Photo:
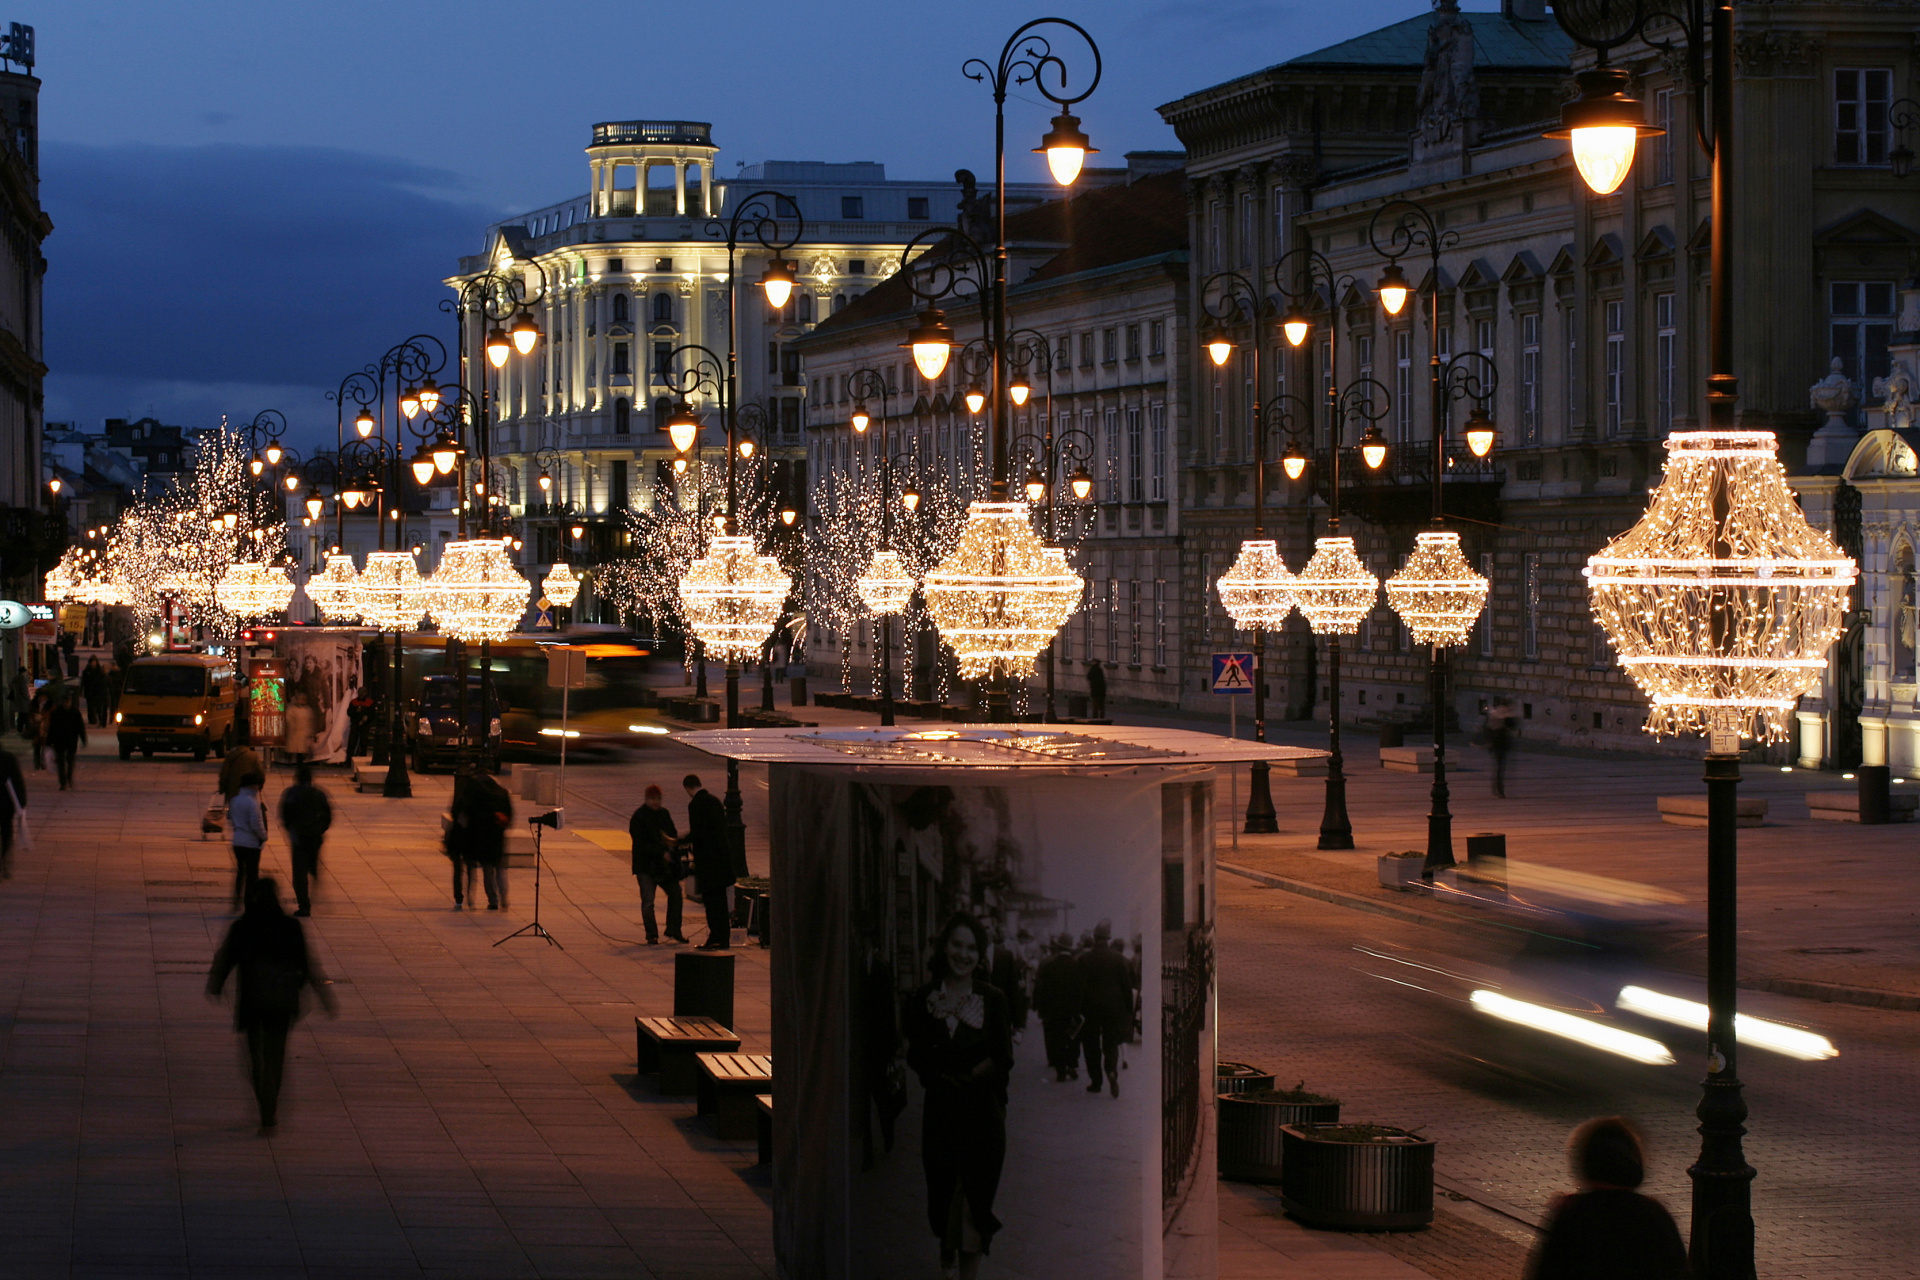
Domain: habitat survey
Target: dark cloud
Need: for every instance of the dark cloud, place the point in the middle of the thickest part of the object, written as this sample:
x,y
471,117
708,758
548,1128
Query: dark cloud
x,y
242,265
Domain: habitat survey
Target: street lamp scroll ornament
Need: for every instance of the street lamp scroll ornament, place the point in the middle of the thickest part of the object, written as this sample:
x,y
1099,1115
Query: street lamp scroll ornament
x,y
476,593
886,586
1000,596
1722,602
1437,593
1258,590
562,585
1334,591
732,596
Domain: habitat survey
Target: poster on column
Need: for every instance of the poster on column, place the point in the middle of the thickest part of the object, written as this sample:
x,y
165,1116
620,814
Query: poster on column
x,y
992,1019
323,675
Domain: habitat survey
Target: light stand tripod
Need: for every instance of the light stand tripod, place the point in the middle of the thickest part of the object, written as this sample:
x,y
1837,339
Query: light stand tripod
x,y
536,929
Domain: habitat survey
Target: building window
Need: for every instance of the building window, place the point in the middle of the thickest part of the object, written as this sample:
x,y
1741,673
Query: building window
x,y
1214,253
917,209
1903,617
1136,463
662,307
1157,449
1485,625
805,308
622,362
1113,620
1660,153
663,361
1326,389
1109,346
1245,237
1133,342
1860,325
1159,622
1219,419
1063,352
1110,450
1530,378
1086,351
620,312
1403,384
1530,605
1483,334
622,416
853,208
1860,115
1664,337
1616,364
1133,624
856,266
1206,599
616,266
1157,338
663,265
1249,411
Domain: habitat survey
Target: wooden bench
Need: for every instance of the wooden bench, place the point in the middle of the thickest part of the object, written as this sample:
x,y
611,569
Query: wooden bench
x,y
668,1046
1691,810
729,1082
763,1103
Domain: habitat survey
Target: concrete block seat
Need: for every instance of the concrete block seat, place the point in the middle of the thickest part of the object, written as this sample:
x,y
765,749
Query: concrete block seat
x,y
366,778
1844,806
1304,767
668,1046
729,1083
1407,759
1691,810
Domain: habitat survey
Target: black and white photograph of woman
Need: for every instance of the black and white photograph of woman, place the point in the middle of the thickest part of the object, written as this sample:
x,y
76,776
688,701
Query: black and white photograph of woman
x,y
960,1045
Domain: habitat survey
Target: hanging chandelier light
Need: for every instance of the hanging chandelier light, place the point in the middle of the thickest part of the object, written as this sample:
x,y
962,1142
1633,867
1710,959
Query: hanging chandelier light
x,y
332,589
732,596
390,593
1258,590
1722,602
1334,591
886,586
562,585
1000,596
250,589
476,593
1437,593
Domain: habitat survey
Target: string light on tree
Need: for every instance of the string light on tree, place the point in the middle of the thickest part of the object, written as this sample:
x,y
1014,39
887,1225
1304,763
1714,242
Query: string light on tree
x,y
1437,593
1722,602
1334,592
1258,589
1000,596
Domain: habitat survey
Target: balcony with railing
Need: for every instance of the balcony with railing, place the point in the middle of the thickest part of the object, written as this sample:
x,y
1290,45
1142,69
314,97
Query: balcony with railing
x,y
689,133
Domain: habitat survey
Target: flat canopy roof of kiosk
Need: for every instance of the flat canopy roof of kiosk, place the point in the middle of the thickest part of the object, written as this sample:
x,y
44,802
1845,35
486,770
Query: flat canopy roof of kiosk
x,y
987,746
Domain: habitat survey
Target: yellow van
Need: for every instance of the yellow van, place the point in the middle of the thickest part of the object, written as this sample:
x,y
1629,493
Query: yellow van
x,y
177,702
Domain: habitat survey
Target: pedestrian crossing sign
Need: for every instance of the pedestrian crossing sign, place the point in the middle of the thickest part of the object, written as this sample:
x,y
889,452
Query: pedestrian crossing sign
x,y
1233,673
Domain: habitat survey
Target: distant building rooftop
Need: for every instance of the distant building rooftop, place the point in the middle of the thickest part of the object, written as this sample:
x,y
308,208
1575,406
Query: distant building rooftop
x,y
1499,42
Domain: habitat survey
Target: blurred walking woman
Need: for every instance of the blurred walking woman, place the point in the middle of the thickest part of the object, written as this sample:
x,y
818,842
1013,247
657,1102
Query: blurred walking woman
x,y
960,1044
269,949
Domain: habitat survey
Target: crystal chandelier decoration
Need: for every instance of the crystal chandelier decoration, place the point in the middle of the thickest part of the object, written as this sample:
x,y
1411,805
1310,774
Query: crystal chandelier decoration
x,y
390,593
1334,591
332,589
250,589
1000,596
562,585
886,586
732,597
1437,593
476,593
1722,602
1258,590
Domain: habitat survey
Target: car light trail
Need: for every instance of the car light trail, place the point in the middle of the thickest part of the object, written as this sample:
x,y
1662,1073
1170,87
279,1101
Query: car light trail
x,y
1807,1046
559,733
1596,1035
646,728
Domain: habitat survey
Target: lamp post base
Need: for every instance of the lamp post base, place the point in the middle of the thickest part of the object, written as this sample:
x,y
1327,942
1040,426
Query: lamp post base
x,y
1261,819
398,785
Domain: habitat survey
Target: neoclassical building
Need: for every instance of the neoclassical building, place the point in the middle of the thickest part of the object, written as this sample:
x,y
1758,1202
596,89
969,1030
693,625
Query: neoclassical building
x,y
1591,309
622,276
28,542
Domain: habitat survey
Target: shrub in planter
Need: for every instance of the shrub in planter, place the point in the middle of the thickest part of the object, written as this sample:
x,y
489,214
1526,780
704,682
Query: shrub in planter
x,y
1357,1177
1251,1124
1238,1077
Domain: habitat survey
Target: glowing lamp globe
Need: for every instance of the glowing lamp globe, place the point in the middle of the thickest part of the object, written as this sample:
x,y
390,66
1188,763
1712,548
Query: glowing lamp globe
x,y
1393,288
861,419
1603,124
250,589
562,585
332,589
1257,591
389,593
526,333
931,342
1722,602
476,593
1437,593
1334,592
778,282
732,597
1000,596
886,586
1066,147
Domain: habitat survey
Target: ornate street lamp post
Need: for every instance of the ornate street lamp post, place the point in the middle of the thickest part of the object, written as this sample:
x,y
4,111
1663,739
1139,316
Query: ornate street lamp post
x,y
885,586
1046,455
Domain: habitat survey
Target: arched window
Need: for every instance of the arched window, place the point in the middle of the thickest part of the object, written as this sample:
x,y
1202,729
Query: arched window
x,y
662,410
1903,617
663,307
806,308
839,302
622,416
620,308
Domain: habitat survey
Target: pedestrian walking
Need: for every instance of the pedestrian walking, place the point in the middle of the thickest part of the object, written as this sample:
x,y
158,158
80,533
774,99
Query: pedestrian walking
x,y
269,949
712,863
116,681
1056,999
359,718
67,647
93,687
38,712
303,723
1498,730
20,696
306,813
1106,1003
1607,1230
656,863
1096,691
482,811
13,803
238,764
66,732
247,830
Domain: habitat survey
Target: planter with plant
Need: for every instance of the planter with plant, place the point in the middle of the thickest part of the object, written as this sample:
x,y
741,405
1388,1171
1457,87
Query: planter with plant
x,y
1251,1124
1238,1077
1357,1177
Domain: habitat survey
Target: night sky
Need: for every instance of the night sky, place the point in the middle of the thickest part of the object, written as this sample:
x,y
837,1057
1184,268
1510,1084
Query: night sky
x,y
249,200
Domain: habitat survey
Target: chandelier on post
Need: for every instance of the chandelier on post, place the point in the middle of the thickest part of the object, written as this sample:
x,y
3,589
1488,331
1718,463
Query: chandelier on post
x,y
476,593
1258,590
390,593
1722,602
1334,591
1437,593
332,589
250,589
1000,595
732,597
561,585
886,586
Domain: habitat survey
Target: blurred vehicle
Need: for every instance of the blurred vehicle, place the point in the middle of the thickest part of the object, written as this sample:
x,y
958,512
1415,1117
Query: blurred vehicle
x,y
433,724
177,702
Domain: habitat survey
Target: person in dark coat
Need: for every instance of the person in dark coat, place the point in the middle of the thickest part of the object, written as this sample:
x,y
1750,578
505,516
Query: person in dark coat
x,y
1009,973
269,949
960,1045
13,798
1056,999
482,811
306,813
1096,691
20,693
1607,1230
1106,1007
93,686
712,863
655,863
116,681
66,733
1499,731
359,721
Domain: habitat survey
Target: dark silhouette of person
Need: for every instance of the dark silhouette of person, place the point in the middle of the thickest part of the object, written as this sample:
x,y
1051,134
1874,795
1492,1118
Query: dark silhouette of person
x,y
1009,973
246,835
712,862
1106,1004
481,813
359,722
654,863
13,799
269,949
960,1045
306,813
66,731
93,686
1096,691
1499,731
1056,999
1607,1230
